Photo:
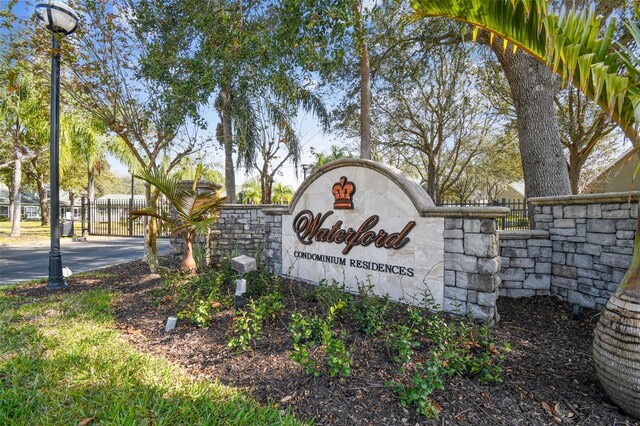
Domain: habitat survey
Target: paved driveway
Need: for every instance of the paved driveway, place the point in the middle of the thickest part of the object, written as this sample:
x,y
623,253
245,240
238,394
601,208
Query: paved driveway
x,y
24,263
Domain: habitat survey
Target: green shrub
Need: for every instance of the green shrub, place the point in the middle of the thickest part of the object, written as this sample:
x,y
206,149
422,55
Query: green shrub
x,y
196,297
456,348
370,310
248,323
311,334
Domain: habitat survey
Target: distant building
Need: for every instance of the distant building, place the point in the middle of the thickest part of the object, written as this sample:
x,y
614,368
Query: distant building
x,y
30,205
618,177
513,191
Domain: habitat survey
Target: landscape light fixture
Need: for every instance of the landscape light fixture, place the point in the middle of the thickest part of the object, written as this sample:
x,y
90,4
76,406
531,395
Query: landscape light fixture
x,y
61,20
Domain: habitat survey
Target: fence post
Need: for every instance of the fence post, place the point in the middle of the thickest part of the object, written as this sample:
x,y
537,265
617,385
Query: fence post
x,y
89,217
82,216
504,218
130,221
109,216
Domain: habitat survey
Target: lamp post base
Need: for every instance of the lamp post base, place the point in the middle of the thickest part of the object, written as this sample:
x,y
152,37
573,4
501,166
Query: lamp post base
x,y
56,279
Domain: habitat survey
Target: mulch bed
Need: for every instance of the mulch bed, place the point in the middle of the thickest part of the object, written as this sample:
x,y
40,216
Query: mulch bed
x,y
549,377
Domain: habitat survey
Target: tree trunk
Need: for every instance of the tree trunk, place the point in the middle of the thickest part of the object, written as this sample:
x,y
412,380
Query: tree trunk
x,y
574,176
42,197
532,88
151,231
188,261
229,172
266,195
91,195
91,185
365,84
16,191
431,180
72,201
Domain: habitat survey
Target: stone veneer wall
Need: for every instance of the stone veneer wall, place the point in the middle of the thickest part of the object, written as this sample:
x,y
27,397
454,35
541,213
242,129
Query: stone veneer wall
x,y
525,263
590,238
471,261
471,265
245,229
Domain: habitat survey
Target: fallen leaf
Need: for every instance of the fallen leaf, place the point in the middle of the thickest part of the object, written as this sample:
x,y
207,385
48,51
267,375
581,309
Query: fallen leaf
x,y
286,399
436,406
86,421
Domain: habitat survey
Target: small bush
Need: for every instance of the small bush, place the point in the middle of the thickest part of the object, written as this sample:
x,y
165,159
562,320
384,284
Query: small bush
x,y
248,323
455,348
309,332
370,310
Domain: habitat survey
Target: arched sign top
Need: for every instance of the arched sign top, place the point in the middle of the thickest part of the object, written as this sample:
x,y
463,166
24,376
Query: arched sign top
x,y
413,191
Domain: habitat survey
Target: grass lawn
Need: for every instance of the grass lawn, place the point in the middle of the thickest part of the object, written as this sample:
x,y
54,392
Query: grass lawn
x,y
63,362
30,231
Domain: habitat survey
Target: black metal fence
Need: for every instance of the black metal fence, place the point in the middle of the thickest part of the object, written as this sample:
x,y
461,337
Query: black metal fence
x,y
111,217
516,219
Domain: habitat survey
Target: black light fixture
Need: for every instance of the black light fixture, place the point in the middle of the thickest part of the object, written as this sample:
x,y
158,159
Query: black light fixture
x,y
61,20
305,169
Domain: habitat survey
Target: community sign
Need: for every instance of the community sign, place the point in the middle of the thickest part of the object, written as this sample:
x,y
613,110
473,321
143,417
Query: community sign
x,y
359,223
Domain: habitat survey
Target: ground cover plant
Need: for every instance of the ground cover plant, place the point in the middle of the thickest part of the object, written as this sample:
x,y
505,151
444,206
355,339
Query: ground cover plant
x,y
63,362
394,372
426,348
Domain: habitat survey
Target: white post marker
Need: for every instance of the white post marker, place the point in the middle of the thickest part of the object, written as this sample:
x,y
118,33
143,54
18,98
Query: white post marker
x,y
171,323
242,264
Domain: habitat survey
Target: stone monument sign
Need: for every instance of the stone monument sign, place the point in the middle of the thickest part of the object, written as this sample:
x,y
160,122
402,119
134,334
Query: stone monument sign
x,y
359,223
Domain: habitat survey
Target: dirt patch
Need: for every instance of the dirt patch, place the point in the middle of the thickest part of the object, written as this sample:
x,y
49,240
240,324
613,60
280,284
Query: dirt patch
x,y
549,377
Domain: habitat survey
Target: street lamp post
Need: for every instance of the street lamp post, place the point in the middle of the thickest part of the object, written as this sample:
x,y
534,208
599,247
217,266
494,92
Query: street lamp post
x,y
305,169
61,20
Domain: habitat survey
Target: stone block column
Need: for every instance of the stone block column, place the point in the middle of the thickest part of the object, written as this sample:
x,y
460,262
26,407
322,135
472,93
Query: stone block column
x,y
471,265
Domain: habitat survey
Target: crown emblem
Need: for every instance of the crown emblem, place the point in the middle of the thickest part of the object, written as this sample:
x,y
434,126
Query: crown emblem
x,y
343,192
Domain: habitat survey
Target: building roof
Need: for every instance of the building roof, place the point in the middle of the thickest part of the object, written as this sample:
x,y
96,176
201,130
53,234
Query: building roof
x,y
27,198
518,187
615,169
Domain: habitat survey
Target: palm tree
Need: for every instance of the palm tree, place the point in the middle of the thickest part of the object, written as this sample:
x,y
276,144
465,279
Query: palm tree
x,y
282,194
336,153
83,139
195,213
251,192
570,44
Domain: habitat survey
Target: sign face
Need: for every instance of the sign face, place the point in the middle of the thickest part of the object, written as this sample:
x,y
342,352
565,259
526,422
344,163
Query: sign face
x,y
357,226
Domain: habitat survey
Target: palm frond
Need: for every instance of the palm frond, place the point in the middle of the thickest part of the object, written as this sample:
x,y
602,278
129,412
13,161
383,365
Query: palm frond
x,y
169,186
151,212
568,41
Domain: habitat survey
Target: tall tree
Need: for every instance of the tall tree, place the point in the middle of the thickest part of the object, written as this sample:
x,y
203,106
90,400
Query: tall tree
x,y
428,112
84,145
23,121
278,138
251,192
335,153
499,165
571,44
282,194
236,49
584,127
150,114
532,87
